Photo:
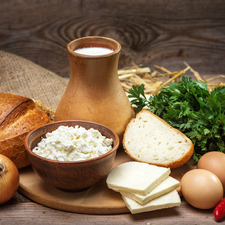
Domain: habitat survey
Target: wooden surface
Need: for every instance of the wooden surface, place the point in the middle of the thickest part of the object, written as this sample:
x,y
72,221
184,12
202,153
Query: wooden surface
x,y
21,210
161,32
29,213
98,199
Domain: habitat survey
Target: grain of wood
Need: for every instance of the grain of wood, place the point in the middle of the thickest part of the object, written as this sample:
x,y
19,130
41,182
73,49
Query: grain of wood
x,y
32,213
150,32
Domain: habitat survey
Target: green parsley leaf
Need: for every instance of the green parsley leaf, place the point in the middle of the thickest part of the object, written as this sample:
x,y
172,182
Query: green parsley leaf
x,y
189,107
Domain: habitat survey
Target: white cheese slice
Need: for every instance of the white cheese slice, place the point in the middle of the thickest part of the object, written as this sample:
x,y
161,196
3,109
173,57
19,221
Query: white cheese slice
x,y
136,177
168,200
164,187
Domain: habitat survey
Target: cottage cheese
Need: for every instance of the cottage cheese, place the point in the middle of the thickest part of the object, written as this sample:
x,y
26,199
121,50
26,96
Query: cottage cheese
x,y
73,144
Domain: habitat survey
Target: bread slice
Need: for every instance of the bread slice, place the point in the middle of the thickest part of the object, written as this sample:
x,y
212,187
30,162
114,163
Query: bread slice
x,y
150,139
166,186
168,200
136,177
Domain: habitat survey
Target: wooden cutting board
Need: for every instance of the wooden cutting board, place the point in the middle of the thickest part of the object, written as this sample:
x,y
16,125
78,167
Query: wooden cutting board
x,y
98,199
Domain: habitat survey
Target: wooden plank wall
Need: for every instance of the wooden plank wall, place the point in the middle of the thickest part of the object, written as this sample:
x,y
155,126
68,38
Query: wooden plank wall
x,y
161,32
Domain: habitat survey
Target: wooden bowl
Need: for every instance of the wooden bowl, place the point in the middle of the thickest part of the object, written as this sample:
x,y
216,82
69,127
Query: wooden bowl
x,y
71,175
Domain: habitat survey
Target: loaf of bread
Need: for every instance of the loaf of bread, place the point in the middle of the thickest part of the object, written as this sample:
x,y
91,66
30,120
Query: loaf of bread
x,y
18,116
150,139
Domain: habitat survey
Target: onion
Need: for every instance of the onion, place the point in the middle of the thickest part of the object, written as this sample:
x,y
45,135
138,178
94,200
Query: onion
x,y
9,179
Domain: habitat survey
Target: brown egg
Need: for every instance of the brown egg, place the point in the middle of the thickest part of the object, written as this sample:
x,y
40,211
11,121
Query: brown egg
x,y
201,188
215,163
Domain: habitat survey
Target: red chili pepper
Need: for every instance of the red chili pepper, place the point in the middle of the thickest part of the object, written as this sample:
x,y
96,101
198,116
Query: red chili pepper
x,y
219,211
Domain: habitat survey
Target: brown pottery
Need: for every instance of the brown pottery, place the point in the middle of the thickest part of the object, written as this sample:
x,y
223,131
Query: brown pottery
x,y
74,175
94,92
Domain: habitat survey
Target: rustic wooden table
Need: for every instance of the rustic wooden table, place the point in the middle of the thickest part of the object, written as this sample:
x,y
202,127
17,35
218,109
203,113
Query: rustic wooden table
x,y
161,32
20,210
157,32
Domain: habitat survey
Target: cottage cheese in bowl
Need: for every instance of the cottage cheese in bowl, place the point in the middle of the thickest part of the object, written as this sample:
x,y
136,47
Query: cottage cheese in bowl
x,y
73,144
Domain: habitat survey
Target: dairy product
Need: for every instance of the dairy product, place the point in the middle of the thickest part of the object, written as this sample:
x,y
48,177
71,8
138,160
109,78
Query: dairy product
x,y
169,184
136,177
94,51
73,144
168,200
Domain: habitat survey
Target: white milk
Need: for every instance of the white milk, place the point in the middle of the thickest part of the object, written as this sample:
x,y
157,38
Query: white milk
x,y
94,51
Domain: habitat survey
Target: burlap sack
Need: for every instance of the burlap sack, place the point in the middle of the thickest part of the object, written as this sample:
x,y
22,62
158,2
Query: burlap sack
x,y
23,77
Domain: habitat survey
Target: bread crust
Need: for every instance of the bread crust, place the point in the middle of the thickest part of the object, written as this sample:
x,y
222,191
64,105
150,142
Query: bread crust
x,y
174,164
8,102
18,116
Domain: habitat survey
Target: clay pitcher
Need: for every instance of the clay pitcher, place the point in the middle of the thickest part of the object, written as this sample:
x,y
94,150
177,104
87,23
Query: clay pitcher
x,y
94,92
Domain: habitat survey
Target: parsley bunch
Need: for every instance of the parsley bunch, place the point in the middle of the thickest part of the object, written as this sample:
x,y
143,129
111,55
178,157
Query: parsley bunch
x,y
189,107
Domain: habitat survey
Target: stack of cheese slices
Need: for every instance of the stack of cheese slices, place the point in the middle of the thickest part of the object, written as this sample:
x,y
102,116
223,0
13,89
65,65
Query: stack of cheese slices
x,y
144,187
156,147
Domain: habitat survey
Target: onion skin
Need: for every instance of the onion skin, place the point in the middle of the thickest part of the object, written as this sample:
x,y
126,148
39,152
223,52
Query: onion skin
x,y
9,179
